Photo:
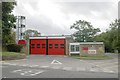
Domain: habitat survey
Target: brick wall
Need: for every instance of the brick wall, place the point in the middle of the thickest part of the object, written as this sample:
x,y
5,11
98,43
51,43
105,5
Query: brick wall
x,y
92,49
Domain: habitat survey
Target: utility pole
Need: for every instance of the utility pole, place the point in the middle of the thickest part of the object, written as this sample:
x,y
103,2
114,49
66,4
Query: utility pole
x,y
20,24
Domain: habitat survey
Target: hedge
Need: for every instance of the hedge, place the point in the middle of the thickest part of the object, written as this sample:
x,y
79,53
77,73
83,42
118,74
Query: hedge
x,y
14,47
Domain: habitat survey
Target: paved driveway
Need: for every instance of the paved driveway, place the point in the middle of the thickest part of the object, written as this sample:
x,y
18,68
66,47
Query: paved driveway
x,y
66,63
42,66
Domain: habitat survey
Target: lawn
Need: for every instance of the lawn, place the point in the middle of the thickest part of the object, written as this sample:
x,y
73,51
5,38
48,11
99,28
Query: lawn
x,y
91,57
12,55
9,53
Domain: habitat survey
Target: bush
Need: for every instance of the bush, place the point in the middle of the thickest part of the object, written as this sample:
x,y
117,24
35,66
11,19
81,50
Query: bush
x,y
14,47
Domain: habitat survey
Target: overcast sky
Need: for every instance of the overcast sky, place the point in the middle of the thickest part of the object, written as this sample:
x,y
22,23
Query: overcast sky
x,y
56,16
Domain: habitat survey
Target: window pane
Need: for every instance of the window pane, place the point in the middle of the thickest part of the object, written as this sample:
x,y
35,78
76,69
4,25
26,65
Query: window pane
x,y
50,45
32,45
38,45
56,45
43,45
62,45
77,47
72,48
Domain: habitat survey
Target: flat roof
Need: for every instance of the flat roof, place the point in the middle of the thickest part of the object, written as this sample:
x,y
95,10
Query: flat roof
x,y
78,43
48,37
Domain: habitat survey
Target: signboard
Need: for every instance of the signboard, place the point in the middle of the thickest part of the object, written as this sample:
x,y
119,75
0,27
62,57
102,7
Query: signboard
x,y
91,51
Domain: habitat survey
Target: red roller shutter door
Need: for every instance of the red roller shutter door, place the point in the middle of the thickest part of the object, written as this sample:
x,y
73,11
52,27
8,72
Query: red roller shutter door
x,y
38,46
56,46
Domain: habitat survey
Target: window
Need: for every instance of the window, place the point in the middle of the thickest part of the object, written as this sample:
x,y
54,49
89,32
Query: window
x,y
56,45
62,45
50,45
32,45
74,48
43,45
38,45
77,48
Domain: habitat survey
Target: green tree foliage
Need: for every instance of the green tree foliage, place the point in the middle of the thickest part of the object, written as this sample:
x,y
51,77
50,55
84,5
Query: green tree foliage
x,y
111,37
8,20
85,31
0,23
29,33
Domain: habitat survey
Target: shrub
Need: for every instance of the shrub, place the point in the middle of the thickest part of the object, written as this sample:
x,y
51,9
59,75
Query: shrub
x,y
14,47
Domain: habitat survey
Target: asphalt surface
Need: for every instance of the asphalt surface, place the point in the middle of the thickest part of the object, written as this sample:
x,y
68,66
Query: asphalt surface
x,y
42,66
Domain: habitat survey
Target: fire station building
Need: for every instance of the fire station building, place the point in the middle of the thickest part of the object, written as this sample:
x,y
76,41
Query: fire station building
x,y
63,45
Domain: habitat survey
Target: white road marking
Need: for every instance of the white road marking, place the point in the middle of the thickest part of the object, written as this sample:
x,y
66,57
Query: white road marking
x,y
44,66
23,65
56,62
17,70
94,70
12,64
108,71
34,66
36,73
4,77
6,63
105,64
28,72
55,67
67,68
114,66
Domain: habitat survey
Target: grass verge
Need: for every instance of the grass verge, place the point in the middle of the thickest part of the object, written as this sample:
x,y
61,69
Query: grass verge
x,y
12,55
91,57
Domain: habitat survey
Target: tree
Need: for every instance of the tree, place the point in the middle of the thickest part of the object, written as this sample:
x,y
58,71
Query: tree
x,y
111,37
8,20
29,33
85,31
115,29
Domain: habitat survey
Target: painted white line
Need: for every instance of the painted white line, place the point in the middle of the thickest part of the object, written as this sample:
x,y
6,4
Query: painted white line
x,y
36,73
34,66
44,66
107,64
17,70
24,65
67,68
12,64
94,70
109,71
4,77
55,67
114,66
56,62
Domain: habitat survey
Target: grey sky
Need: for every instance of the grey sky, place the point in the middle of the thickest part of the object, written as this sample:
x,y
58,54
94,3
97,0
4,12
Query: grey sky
x,y
53,17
